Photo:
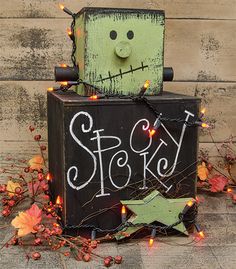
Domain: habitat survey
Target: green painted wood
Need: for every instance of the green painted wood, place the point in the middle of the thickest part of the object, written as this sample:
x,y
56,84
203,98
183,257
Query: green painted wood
x,y
119,49
154,207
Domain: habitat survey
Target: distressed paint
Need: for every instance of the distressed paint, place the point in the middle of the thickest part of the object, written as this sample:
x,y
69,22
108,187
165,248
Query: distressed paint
x,y
122,49
154,207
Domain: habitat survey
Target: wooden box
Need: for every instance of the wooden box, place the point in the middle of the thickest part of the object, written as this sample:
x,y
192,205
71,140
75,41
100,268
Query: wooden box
x,y
100,152
110,46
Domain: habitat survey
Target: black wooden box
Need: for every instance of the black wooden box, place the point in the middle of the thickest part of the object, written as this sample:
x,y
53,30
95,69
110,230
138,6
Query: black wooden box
x,y
100,152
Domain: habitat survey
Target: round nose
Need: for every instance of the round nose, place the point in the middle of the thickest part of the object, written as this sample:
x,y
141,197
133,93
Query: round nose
x,y
123,49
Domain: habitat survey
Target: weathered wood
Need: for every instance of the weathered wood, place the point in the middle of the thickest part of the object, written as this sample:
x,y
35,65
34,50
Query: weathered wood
x,y
201,50
219,100
29,49
211,9
197,50
23,103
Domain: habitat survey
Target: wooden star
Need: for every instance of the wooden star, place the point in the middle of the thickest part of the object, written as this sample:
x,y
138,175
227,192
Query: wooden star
x,y
154,207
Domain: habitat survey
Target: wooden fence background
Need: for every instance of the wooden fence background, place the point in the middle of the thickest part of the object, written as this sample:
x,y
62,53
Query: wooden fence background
x,y
200,44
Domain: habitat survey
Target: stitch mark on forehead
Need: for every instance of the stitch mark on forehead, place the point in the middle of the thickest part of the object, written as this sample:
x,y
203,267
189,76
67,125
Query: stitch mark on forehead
x,y
120,74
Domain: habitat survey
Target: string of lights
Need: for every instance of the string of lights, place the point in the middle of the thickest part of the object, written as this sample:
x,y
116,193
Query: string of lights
x,y
140,97
100,94
157,228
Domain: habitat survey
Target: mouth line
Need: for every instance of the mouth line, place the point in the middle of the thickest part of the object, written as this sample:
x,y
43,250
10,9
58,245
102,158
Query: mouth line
x,y
120,74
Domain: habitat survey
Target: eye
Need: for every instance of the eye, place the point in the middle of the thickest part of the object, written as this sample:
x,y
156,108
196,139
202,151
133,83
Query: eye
x,y
130,34
113,35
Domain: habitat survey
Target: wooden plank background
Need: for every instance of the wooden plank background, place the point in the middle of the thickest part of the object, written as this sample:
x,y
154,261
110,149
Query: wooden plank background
x,y
200,45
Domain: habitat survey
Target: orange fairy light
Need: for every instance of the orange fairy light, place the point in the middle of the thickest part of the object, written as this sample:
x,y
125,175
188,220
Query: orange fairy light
x,y
151,132
205,125
146,84
61,6
201,234
59,200
123,214
190,203
123,210
203,110
64,83
69,32
151,241
93,97
63,65
49,176
229,190
50,89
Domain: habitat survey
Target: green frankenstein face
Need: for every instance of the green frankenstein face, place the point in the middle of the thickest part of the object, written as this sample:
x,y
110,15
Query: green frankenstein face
x,y
119,49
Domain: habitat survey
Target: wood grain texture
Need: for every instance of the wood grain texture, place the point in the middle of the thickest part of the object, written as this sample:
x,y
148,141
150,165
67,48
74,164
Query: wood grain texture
x,y
31,48
219,100
201,50
211,9
23,103
197,50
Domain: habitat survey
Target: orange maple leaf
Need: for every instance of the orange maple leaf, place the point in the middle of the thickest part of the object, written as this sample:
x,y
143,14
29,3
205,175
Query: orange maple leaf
x,y
202,171
11,187
27,220
36,163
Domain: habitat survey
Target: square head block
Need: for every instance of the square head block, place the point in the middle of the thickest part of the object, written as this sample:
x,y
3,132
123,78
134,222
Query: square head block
x,y
117,50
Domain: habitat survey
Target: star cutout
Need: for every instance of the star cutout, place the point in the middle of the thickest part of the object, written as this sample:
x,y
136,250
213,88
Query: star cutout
x,y
154,207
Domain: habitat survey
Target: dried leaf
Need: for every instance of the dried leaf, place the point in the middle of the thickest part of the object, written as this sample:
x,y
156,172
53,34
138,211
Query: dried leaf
x,y
202,171
11,187
36,163
218,182
35,188
26,221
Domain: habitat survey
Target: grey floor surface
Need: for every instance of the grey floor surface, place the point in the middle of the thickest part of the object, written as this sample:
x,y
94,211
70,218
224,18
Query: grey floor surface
x,y
217,216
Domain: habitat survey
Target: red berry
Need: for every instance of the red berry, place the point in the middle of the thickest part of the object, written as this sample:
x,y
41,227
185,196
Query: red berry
x,y
66,253
37,137
43,147
37,241
14,241
18,190
118,259
40,176
11,203
79,256
6,212
36,255
26,170
94,244
31,128
39,228
107,262
3,188
4,201
57,230
86,257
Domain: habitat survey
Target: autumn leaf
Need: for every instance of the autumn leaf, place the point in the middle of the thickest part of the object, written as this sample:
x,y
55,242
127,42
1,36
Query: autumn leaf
x,y
218,183
37,187
36,163
202,171
33,187
26,221
11,187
